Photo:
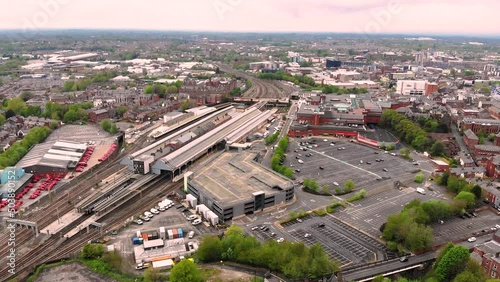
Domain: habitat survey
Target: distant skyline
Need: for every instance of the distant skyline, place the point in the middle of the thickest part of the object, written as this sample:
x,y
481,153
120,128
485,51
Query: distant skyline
x,y
451,17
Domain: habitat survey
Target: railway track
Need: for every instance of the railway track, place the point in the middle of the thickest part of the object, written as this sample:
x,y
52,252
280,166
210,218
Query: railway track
x,y
51,250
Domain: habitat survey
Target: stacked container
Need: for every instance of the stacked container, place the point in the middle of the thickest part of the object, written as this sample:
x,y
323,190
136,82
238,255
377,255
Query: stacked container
x,y
170,234
145,236
176,234
181,234
162,233
136,241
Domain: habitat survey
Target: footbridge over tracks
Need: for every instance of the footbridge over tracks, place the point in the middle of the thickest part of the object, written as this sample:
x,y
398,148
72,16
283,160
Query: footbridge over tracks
x,y
12,223
385,268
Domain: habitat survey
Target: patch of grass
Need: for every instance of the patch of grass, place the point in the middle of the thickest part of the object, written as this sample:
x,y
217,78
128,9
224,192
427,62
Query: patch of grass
x,y
101,267
320,212
34,276
209,273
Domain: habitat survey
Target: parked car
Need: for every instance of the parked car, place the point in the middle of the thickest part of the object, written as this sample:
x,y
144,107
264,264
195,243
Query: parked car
x,y
280,240
138,222
307,235
196,221
192,217
255,228
403,259
472,239
191,234
321,224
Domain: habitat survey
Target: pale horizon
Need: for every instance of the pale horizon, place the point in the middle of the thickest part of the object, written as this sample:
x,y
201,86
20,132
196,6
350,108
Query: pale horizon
x,y
423,17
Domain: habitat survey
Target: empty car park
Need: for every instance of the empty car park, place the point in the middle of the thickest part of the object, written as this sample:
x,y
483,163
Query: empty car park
x,y
340,241
348,160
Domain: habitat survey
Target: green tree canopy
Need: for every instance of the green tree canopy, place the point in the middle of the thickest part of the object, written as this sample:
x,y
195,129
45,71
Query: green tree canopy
x,y
451,263
185,271
468,197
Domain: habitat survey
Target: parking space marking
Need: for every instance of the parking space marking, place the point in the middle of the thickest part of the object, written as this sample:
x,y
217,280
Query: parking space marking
x,y
346,163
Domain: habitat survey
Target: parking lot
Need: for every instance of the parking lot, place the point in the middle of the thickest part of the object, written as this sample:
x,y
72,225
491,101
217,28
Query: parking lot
x,y
340,161
370,213
171,218
458,228
341,241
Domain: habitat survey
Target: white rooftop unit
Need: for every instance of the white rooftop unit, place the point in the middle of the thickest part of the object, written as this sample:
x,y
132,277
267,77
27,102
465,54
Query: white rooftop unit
x,y
203,210
151,244
167,263
191,200
162,233
175,242
212,217
63,144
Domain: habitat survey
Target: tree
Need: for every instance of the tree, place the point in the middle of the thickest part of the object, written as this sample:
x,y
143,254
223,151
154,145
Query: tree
x,y
437,148
349,185
26,95
419,178
121,110
477,191
2,119
210,249
91,251
152,275
106,125
405,152
16,105
185,271
452,263
113,259
468,197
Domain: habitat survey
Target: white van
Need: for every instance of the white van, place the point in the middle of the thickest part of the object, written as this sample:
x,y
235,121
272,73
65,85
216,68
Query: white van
x,y
421,191
335,183
300,161
191,234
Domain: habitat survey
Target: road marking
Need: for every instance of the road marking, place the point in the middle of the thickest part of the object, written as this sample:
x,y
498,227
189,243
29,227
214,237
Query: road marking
x,y
341,161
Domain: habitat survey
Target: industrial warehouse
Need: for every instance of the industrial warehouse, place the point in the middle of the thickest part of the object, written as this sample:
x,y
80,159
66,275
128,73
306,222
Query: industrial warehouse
x,y
55,157
233,184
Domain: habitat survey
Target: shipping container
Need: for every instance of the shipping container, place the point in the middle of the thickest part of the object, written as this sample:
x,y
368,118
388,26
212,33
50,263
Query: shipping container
x,y
176,235
162,233
145,237
181,234
170,234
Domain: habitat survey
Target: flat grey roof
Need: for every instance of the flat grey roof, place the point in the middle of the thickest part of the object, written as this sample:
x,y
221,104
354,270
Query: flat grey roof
x,y
181,156
234,176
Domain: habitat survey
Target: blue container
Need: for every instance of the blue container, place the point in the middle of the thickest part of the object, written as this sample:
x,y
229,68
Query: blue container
x,y
136,241
181,234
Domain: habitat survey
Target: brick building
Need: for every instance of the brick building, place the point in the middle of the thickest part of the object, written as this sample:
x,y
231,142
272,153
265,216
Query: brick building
x,y
470,138
493,167
98,115
488,125
468,172
488,256
202,91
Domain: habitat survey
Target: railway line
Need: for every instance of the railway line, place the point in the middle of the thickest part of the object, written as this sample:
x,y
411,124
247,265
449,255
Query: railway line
x,y
60,204
57,248
259,88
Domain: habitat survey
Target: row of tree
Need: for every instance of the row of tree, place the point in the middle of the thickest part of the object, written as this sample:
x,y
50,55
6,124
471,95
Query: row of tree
x,y
295,260
301,80
457,185
329,89
410,228
411,132
15,152
163,89
431,125
82,84
279,156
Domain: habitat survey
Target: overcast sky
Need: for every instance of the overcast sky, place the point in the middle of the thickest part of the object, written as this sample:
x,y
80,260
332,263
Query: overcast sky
x,y
361,16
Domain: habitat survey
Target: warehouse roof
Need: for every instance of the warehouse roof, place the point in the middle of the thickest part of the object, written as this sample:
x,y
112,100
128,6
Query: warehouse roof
x,y
60,154
235,176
